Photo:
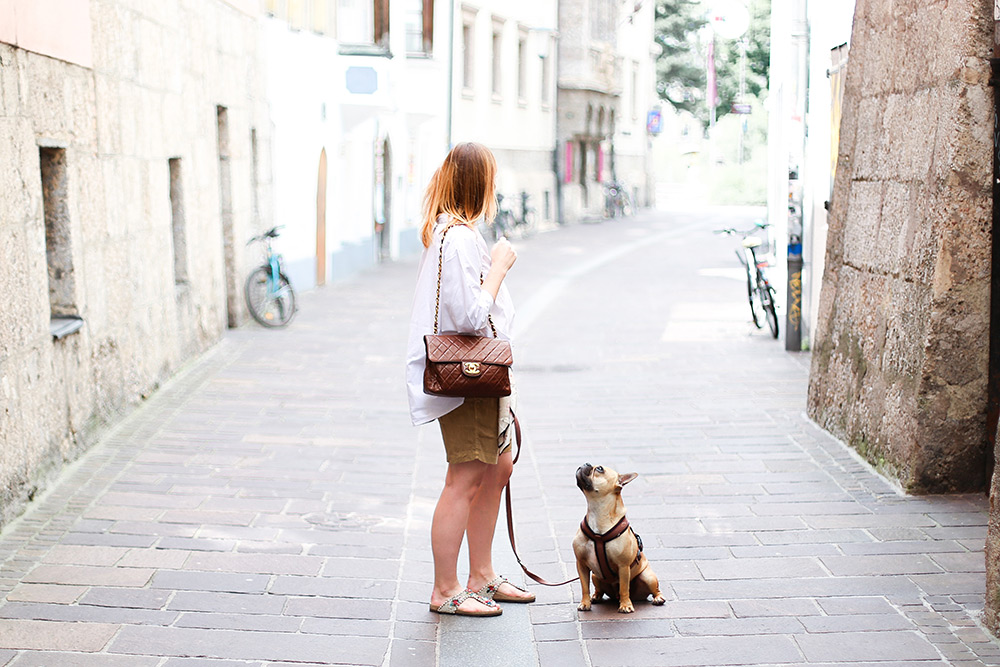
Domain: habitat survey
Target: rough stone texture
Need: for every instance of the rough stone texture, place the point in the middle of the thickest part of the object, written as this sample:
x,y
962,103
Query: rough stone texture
x,y
900,363
160,70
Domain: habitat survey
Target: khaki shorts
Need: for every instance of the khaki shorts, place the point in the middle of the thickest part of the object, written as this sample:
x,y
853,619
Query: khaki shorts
x,y
471,431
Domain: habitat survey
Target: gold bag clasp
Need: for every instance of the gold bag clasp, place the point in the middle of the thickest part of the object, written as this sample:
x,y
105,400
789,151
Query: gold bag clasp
x,y
471,368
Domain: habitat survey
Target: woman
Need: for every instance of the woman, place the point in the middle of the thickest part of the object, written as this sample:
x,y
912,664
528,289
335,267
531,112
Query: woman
x,y
476,431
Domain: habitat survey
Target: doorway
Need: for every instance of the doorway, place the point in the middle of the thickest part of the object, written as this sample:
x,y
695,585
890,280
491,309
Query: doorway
x,y
383,199
321,221
226,214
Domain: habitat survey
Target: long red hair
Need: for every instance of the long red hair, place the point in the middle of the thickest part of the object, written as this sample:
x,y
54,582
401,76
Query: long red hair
x,y
463,187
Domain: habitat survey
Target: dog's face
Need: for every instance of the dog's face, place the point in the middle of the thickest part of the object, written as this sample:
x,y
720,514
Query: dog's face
x,y
598,481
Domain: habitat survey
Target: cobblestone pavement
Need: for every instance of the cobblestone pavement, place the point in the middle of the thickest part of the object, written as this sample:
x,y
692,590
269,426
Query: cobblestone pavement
x,y
271,504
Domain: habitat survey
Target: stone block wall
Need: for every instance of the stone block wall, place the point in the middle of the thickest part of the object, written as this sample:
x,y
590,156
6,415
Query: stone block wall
x,y
899,366
159,72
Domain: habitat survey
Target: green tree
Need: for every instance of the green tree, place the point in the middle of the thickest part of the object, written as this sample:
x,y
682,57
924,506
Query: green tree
x,y
682,64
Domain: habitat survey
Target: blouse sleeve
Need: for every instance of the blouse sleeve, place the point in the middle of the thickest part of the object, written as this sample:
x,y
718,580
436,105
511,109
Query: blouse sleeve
x,y
462,295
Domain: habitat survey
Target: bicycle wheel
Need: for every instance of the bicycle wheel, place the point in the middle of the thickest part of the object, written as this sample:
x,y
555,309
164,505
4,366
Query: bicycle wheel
x,y
753,309
766,294
269,309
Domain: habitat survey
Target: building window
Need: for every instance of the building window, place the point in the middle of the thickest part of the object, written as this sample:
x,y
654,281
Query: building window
x,y
363,23
522,68
497,60
321,22
547,75
419,27
635,90
276,8
468,54
177,221
58,248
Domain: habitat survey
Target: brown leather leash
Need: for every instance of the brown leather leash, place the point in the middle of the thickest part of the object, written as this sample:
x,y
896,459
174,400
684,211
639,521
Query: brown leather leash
x,y
510,515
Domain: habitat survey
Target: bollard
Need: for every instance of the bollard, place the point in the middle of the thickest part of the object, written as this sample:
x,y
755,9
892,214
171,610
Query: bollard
x,y
793,317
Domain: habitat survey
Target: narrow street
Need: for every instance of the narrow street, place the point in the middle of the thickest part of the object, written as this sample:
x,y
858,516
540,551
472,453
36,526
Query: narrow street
x,y
271,504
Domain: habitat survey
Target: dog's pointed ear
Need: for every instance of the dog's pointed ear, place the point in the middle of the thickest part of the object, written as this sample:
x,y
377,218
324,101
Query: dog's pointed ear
x,y
626,478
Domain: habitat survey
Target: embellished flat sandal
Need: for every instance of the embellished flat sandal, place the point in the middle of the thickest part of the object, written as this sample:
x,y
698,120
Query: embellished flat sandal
x,y
452,605
491,591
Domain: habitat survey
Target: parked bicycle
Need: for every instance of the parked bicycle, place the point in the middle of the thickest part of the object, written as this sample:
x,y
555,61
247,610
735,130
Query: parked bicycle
x,y
760,293
507,222
617,202
269,294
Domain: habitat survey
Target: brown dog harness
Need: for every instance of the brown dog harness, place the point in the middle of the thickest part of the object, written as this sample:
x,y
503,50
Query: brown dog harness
x,y
608,573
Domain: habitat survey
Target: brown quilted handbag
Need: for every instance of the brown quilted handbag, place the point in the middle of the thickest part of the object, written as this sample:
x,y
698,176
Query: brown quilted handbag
x,y
465,365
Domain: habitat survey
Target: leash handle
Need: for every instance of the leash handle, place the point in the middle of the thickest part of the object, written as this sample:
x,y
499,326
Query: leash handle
x,y
510,515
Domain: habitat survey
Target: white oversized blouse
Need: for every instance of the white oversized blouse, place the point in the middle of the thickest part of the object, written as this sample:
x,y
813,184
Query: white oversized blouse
x,y
465,306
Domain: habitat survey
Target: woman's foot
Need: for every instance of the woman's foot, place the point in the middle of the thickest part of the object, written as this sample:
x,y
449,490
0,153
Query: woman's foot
x,y
500,588
464,603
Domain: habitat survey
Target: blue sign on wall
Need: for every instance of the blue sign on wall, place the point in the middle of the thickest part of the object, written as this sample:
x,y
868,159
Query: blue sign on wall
x,y
654,121
362,80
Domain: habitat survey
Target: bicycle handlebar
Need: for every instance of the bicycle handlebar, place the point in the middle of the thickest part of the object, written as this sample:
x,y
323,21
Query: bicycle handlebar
x,y
732,230
269,234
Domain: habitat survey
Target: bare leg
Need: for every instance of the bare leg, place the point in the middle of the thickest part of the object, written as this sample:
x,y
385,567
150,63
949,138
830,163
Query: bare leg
x,y
461,485
482,525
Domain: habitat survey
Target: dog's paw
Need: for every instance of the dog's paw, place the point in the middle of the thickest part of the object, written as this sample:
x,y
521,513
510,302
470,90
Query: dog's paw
x,y
584,606
658,600
626,608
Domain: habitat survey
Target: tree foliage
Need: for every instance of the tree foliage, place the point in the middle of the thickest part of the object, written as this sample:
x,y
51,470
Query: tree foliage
x,y
683,35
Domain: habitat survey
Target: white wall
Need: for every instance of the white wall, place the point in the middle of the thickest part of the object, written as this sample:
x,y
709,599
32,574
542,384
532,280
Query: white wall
x,y
830,26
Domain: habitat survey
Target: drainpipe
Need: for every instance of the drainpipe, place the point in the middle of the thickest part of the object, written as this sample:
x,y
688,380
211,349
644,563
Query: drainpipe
x,y
993,386
991,616
451,72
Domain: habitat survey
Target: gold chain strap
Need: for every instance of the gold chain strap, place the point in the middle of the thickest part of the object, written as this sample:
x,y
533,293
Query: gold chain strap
x,y
437,298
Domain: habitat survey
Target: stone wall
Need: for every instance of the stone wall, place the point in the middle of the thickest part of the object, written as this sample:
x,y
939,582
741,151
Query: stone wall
x,y
160,71
900,356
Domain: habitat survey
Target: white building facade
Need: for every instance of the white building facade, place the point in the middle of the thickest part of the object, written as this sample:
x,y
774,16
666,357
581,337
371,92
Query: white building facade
x,y
356,91
504,94
606,88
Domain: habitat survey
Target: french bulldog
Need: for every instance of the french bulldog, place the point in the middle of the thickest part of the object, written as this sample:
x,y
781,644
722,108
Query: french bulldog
x,y
606,547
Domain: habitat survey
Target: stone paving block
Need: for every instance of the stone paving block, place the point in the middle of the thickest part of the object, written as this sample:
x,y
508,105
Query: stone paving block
x,y
185,642
817,587
866,646
127,598
50,593
851,566
153,529
856,605
485,648
735,627
256,622
253,603
210,581
560,654
55,636
167,559
950,583
857,623
622,629
195,544
814,536
412,653
693,651
51,659
85,613
556,632
255,563
64,554
333,587
760,568
961,562
789,607
87,575
109,540
349,608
